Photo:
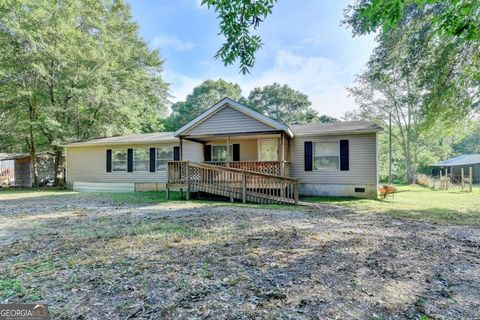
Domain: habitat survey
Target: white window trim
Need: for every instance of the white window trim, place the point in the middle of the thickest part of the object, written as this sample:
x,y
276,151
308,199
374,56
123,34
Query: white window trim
x,y
313,156
113,160
157,159
221,145
267,139
133,160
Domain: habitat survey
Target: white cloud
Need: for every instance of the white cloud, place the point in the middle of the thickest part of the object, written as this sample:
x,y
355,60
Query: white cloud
x,y
180,85
320,78
173,42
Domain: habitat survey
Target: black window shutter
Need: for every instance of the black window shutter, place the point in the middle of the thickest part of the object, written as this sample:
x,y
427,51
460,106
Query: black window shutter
x,y
130,160
344,156
308,155
207,152
109,160
152,159
236,152
176,153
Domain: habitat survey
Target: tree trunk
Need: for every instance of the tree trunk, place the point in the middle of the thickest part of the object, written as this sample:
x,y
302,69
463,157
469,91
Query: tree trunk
x,y
33,147
33,156
58,167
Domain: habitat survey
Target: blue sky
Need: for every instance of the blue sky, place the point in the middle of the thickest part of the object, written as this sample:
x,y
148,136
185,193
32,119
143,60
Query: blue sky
x,y
304,47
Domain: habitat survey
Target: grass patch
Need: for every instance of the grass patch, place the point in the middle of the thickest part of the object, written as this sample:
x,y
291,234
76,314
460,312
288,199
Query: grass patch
x,y
165,229
15,193
160,197
413,201
11,287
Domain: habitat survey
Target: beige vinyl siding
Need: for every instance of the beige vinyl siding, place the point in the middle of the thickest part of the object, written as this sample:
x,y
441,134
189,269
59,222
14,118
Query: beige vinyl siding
x,y
192,151
88,164
363,160
229,120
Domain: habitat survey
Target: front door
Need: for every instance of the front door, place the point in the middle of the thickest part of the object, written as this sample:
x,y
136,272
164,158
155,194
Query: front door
x,y
268,150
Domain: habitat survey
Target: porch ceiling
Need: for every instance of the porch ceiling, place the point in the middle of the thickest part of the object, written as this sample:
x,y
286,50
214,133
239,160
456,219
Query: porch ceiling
x,y
233,136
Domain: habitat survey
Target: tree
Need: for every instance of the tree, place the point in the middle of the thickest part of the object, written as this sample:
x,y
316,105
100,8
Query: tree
x,y
73,70
237,19
327,119
450,18
448,38
283,104
470,144
401,81
203,97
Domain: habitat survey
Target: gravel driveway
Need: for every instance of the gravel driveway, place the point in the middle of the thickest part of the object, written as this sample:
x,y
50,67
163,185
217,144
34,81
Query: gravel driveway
x,y
92,258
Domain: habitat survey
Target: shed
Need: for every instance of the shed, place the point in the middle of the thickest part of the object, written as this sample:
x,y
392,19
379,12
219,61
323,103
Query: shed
x,y
16,169
455,165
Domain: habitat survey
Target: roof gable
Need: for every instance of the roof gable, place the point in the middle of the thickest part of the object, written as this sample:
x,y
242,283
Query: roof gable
x,y
238,119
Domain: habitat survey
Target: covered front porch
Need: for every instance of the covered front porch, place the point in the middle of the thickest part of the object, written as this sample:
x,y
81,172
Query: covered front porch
x,y
244,155
264,153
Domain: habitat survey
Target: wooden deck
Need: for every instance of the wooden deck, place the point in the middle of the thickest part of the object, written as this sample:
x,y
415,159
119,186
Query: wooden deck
x,y
244,185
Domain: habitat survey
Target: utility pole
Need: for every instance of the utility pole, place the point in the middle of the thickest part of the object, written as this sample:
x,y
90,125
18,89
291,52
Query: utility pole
x,y
390,147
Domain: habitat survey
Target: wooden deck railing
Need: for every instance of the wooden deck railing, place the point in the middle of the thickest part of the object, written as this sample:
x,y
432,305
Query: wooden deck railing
x,y
232,182
276,168
177,172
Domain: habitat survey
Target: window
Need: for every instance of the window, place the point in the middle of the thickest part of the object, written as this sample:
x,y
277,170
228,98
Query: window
x,y
164,154
326,156
219,153
141,160
267,150
119,159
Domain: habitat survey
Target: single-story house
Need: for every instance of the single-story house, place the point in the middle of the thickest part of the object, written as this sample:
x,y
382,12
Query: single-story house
x,y
19,168
338,159
454,166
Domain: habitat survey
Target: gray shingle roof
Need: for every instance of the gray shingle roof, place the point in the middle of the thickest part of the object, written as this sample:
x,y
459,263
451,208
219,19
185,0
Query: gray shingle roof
x,y
464,159
132,138
333,128
300,129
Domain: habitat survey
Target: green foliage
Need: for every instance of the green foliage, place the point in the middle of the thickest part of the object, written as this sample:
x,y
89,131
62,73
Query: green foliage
x,y
428,100
276,101
327,119
73,70
237,19
446,61
283,104
452,18
203,97
470,144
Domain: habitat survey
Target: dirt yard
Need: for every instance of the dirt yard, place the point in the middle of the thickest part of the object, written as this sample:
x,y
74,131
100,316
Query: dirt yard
x,y
93,258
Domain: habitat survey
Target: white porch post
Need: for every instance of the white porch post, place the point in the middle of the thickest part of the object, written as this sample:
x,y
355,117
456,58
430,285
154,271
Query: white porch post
x,y
181,148
229,158
282,154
